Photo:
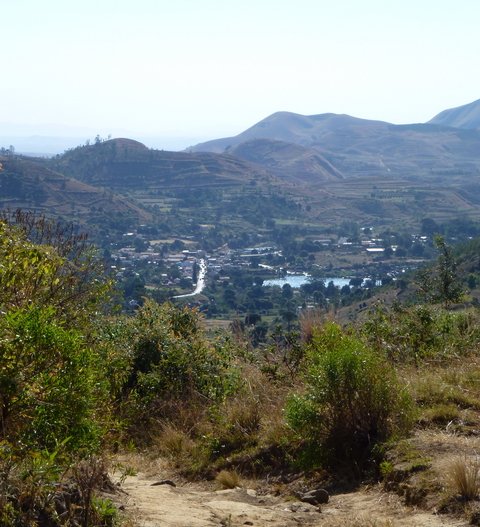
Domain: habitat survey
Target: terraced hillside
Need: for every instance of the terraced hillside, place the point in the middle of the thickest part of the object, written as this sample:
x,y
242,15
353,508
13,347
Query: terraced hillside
x,y
288,169
127,164
28,184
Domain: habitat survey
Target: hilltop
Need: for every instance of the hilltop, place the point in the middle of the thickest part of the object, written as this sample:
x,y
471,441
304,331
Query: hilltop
x,y
127,164
304,130
360,147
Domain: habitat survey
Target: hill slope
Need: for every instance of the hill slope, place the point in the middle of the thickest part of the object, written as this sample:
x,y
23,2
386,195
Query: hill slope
x,y
466,116
360,147
289,161
126,164
294,169
27,183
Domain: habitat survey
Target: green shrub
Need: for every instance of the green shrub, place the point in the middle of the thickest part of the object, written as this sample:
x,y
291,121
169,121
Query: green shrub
x,y
54,402
169,359
50,382
45,264
417,333
352,402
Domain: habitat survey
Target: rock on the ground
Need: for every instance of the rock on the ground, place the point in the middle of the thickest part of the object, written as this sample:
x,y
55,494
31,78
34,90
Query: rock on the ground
x,y
315,496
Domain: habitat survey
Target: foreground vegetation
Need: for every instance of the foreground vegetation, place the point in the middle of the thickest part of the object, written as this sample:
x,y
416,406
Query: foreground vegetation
x,y
79,381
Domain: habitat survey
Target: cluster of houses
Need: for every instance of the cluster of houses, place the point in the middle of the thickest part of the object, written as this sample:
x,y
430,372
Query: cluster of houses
x,y
137,250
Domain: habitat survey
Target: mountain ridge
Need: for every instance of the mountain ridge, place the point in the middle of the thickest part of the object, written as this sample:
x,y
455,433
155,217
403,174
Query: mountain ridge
x,y
358,147
466,116
323,167
288,127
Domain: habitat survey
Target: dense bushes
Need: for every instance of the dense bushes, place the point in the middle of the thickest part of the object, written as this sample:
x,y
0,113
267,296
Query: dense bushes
x,y
44,264
50,383
163,356
353,400
54,396
422,332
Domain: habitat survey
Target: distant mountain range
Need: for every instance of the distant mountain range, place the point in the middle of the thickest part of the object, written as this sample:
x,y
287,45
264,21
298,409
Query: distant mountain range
x,y
359,147
333,166
310,130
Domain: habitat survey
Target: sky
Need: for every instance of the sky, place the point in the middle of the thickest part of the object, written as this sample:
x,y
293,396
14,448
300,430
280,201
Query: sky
x,y
184,71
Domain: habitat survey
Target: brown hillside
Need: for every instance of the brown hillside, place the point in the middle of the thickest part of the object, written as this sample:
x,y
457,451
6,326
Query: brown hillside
x,y
28,184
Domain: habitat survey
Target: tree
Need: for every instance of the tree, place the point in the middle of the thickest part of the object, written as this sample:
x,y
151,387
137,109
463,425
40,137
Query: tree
x,y
449,287
441,283
429,227
287,292
251,319
356,281
195,270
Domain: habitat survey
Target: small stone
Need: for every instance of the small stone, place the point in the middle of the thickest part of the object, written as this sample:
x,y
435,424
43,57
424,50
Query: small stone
x,y
316,496
297,507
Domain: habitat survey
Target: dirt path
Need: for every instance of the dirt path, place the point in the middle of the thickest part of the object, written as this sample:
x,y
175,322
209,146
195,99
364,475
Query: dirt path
x,y
190,506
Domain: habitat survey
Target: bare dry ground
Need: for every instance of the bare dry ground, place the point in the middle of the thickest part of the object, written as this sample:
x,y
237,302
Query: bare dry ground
x,y
150,504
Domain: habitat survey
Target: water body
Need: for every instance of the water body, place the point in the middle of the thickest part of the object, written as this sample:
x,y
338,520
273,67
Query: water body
x,y
297,280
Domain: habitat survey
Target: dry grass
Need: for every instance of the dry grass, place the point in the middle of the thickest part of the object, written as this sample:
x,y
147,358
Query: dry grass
x,y
174,442
440,414
243,415
447,394
132,463
463,477
228,479
309,321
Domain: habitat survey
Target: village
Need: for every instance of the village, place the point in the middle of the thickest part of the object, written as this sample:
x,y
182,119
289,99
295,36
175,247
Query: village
x,y
169,268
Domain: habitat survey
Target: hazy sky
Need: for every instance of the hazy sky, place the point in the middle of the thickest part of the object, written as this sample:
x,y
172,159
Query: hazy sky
x,y
210,68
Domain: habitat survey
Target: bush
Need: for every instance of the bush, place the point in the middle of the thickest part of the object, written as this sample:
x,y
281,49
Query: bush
x,y
44,264
417,333
167,359
353,400
54,400
50,382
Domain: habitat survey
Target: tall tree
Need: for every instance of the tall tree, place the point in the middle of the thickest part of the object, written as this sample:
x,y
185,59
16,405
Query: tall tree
x,y
441,283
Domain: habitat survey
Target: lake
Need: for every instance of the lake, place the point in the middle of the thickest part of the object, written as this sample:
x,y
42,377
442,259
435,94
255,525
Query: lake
x,y
297,280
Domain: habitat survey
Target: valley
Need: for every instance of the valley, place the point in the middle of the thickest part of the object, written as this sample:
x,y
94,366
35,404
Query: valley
x,y
334,196
281,329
